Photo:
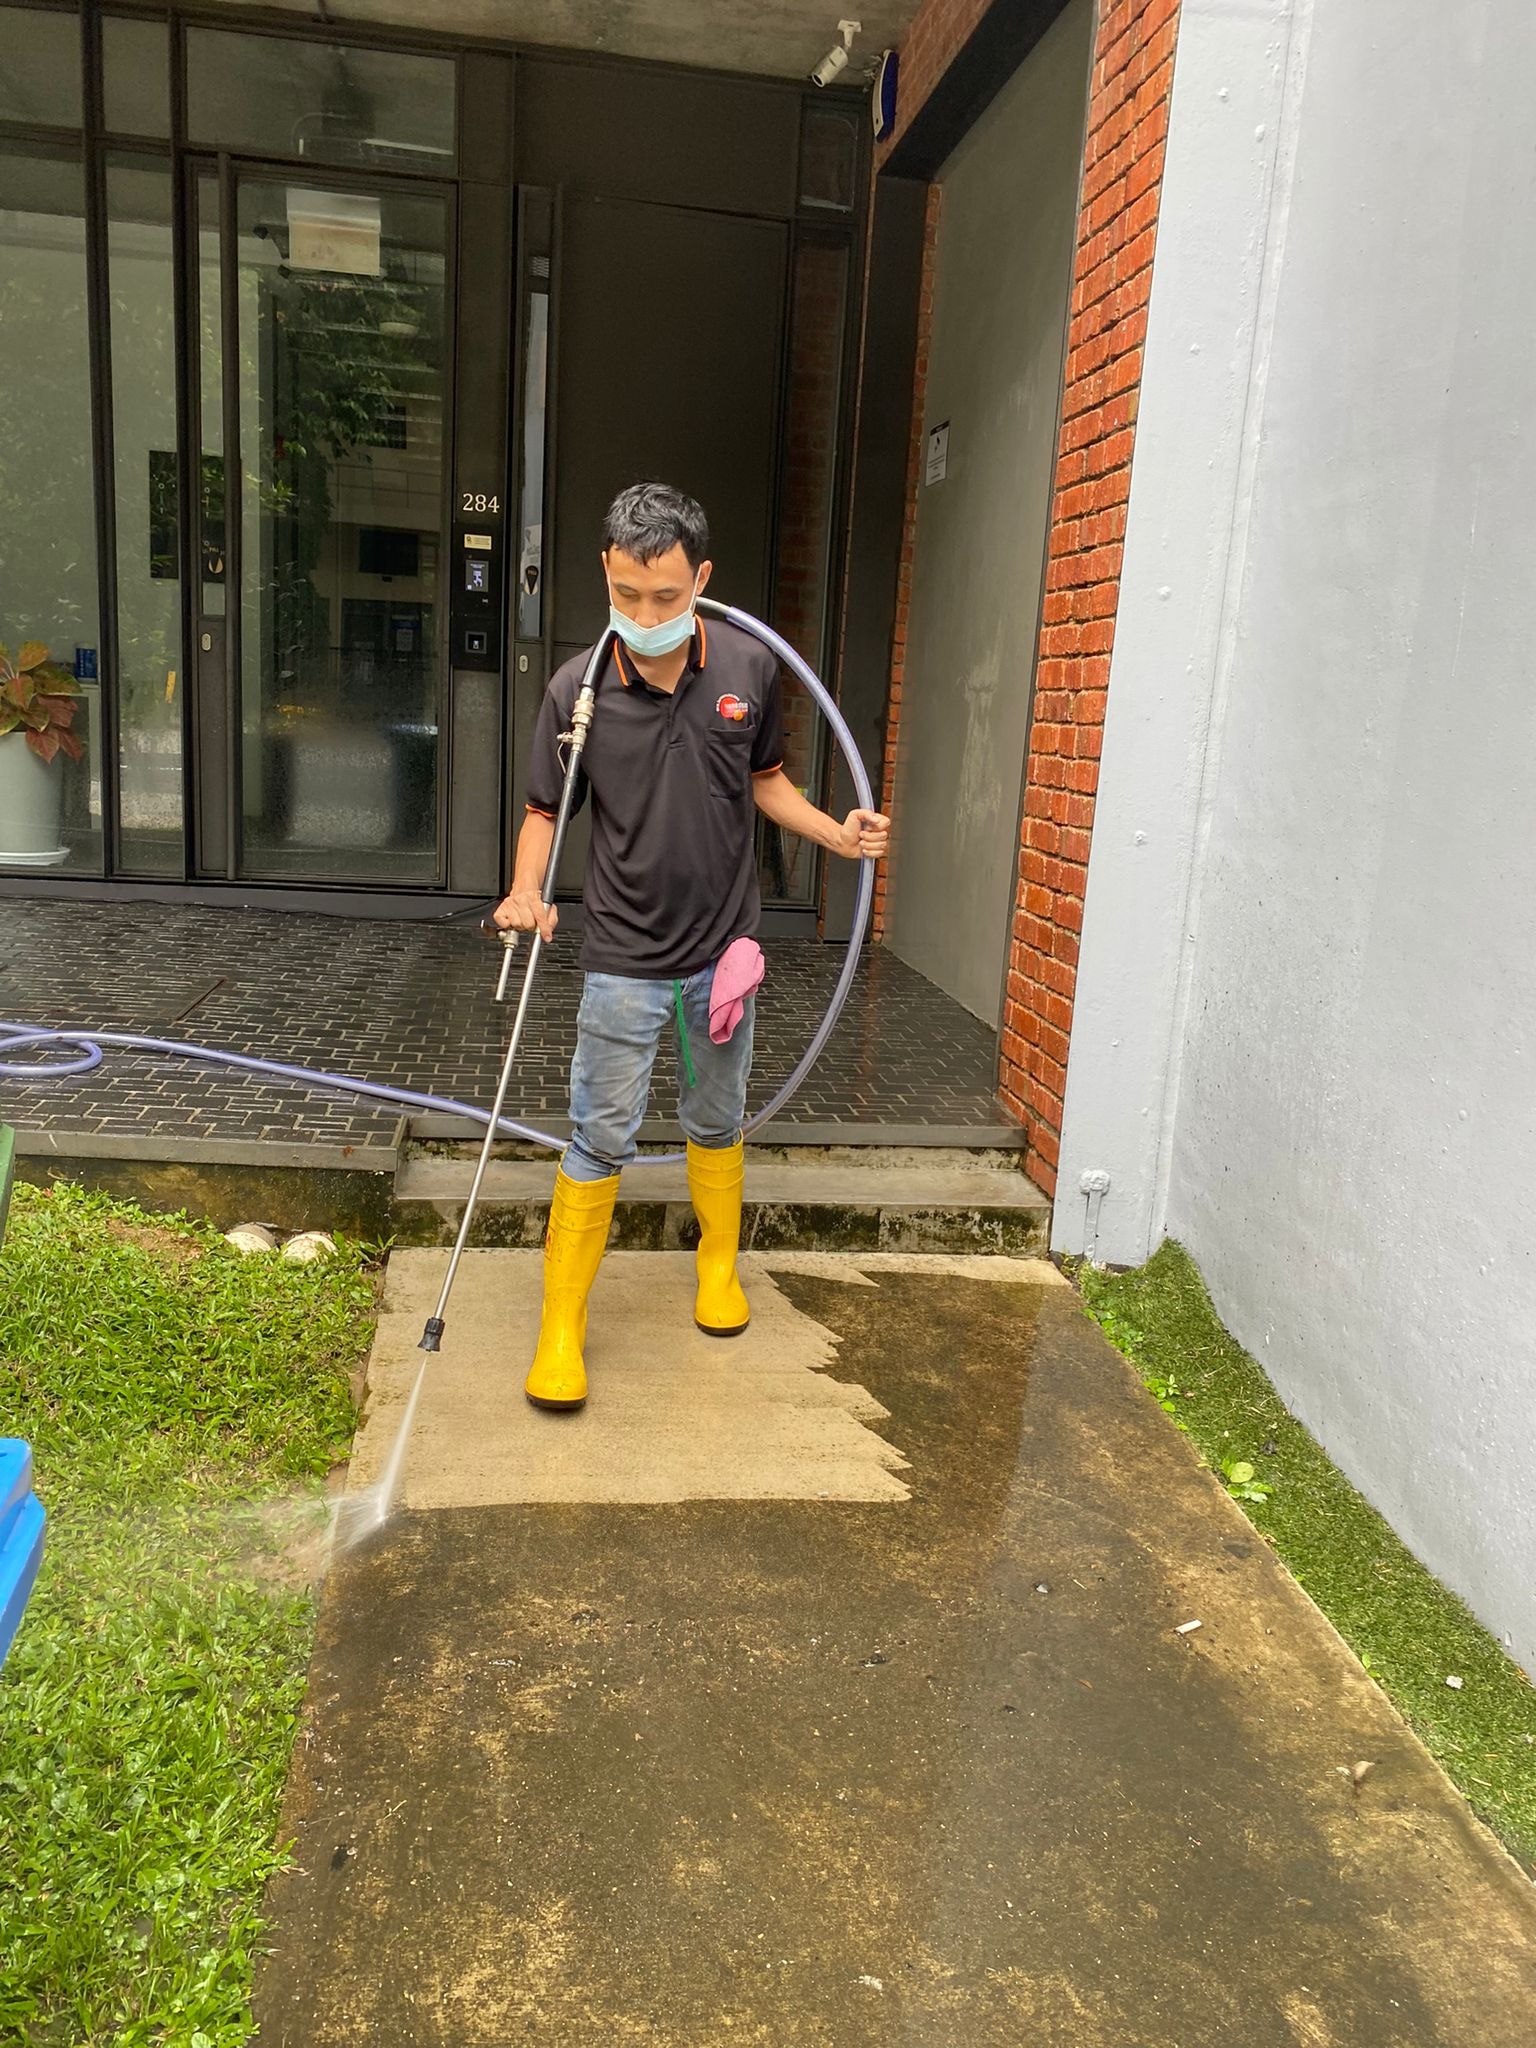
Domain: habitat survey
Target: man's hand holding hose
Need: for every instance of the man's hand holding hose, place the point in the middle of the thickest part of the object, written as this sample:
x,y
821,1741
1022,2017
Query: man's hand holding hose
x,y
862,835
525,910
866,836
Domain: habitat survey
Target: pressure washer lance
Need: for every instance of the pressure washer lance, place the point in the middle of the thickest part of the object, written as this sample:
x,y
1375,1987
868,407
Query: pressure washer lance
x,y
575,740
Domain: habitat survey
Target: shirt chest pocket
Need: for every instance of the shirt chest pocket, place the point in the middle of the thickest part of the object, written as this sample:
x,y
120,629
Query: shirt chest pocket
x,y
728,761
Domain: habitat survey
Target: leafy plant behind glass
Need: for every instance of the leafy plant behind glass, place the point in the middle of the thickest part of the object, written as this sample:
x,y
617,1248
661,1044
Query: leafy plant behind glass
x,y
37,699
349,353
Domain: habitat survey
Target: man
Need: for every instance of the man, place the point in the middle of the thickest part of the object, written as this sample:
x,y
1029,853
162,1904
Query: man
x,y
685,747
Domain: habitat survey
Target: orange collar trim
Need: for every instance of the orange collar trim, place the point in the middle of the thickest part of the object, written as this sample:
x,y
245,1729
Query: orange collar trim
x,y
698,653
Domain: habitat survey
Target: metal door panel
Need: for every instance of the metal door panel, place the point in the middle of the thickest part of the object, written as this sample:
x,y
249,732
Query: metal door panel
x,y
670,367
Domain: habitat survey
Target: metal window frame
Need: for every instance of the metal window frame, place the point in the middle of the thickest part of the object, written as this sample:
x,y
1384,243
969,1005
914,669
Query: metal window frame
x,y
234,497
147,155
524,287
228,171
98,299
187,338
329,34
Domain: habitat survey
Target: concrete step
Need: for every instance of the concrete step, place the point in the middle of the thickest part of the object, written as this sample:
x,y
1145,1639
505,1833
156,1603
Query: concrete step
x,y
835,1199
786,1131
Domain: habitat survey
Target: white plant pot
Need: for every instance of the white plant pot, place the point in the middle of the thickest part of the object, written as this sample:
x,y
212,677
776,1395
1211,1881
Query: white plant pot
x,y
31,794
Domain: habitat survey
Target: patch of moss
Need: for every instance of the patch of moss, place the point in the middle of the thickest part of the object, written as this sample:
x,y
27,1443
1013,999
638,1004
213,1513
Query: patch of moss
x,y
1409,1631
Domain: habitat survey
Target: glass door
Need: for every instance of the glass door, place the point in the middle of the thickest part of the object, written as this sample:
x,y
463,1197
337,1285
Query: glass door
x,y
323,371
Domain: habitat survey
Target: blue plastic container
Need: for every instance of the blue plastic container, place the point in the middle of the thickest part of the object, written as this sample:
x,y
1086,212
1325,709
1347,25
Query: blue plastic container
x,y
21,1536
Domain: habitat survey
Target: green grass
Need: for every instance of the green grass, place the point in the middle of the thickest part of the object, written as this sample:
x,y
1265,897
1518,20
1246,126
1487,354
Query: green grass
x,y
183,1404
1409,1630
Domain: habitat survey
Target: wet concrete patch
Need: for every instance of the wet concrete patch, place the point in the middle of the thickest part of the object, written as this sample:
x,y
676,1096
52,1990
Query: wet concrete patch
x,y
841,1773
673,1414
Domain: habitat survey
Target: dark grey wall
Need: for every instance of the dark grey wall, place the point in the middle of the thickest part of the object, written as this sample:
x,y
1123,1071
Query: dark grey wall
x,y
677,139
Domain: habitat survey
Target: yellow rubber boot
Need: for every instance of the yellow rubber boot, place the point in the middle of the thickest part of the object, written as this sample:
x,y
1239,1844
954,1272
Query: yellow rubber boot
x,y
714,1183
579,1218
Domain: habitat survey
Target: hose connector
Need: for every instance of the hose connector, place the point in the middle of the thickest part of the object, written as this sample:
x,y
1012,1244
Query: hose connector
x,y
432,1335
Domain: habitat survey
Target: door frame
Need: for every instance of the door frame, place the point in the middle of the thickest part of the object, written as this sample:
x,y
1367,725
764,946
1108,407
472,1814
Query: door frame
x,y
213,729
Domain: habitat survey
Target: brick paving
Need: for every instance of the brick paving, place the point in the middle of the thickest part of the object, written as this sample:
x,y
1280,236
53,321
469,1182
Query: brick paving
x,y
411,1003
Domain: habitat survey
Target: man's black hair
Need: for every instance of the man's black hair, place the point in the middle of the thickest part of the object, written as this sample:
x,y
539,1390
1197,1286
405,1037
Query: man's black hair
x,y
648,519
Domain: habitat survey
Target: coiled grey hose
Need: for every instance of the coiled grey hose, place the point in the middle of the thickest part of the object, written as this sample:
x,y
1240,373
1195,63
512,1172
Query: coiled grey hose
x,y
92,1045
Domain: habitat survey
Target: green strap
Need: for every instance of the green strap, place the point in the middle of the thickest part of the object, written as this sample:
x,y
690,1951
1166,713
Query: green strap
x,y
682,1035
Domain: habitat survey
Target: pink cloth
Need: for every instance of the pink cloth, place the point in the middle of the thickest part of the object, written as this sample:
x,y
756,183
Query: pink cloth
x,y
738,974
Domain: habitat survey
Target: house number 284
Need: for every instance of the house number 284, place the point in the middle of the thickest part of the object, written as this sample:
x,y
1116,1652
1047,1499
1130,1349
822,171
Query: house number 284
x,y
478,501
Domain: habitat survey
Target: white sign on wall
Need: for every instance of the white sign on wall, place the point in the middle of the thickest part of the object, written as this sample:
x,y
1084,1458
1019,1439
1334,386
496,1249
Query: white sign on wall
x,y
337,231
938,454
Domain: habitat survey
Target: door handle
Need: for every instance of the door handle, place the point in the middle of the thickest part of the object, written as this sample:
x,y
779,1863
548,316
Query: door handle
x,y
206,643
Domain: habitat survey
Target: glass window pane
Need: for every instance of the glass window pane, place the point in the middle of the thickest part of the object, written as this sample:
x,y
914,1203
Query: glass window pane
x,y
150,684
327,101
39,67
210,347
136,63
530,565
829,158
342,372
536,232
806,505
50,812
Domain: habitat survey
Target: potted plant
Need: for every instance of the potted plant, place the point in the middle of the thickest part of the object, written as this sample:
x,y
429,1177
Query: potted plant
x,y
37,709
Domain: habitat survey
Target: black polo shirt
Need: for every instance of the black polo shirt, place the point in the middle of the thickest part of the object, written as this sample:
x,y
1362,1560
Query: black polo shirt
x,y
671,872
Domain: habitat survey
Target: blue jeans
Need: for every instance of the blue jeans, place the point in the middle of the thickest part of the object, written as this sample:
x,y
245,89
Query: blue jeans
x,y
618,1029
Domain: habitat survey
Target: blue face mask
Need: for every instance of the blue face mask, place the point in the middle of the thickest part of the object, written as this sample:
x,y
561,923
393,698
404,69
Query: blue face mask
x,y
654,640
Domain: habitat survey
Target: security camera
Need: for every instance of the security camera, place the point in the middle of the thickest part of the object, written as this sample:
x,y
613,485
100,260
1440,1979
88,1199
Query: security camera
x,y
835,61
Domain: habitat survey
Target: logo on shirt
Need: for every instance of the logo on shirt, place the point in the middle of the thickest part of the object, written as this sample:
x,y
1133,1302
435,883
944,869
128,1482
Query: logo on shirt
x,y
732,708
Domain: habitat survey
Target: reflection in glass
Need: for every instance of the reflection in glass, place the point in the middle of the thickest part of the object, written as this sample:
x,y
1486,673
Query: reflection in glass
x,y
341,304
530,561
210,347
150,686
39,67
829,158
50,812
136,76
326,101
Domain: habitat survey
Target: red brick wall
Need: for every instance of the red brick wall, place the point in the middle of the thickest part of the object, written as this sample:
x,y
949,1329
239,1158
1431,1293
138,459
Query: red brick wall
x,y
1112,282
1112,274
939,31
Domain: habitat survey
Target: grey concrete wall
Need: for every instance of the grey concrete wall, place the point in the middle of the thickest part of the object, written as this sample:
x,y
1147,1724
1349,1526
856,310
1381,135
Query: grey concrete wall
x,y
1002,280
1220,241
1305,1028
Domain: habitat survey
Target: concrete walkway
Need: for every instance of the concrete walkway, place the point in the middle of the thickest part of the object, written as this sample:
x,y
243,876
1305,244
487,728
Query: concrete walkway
x,y
865,1719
